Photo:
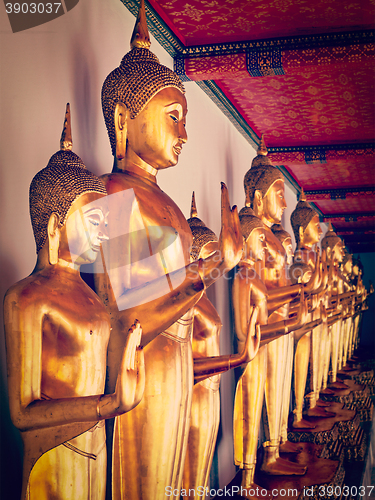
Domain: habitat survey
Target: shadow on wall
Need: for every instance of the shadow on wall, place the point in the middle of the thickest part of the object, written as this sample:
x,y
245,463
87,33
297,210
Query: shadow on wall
x,y
86,85
11,448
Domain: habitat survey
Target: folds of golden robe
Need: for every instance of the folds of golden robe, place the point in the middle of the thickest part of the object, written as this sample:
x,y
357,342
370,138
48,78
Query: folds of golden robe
x,y
149,444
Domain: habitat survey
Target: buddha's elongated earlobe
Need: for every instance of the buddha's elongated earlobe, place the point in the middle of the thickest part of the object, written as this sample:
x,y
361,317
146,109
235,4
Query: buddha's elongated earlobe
x,y
258,203
53,232
301,231
121,130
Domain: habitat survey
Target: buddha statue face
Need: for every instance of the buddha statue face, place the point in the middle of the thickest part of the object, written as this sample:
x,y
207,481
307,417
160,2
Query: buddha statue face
x,y
311,235
287,244
274,203
157,134
84,230
348,266
255,244
355,270
286,241
338,252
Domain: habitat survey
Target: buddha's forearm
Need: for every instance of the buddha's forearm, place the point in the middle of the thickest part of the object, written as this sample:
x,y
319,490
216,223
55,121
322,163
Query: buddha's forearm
x,y
274,305
306,328
285,292
268,337
271,331
55,412
346,295
206,367
157,307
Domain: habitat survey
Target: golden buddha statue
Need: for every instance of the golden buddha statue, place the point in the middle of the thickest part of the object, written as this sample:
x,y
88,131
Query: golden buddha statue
x,y
309,347
57,332
305,275
205,412
286,241
334,249
264,187
148,269
347,266
249,291
345,296
347,271
360,294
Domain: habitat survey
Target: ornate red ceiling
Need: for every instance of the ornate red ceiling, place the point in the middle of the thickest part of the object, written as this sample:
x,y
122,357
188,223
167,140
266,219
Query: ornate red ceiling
x,y
348,206
321,168
302,73
199,22
307,108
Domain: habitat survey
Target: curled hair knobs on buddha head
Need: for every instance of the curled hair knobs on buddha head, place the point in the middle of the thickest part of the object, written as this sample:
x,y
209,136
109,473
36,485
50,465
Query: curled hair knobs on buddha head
x,y
330,239
59,184
249,221
261,175
301,215
280,232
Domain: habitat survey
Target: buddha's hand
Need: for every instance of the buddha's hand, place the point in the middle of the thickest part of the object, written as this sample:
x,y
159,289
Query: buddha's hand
x,y
314,302
253,337
230,240
324,265
304,308
130,383
323,313
324,257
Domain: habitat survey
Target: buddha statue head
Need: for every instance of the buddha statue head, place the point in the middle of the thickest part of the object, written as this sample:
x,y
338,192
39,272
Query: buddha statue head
x,y
253,232
62,188
144,106
333,245
286,241
347,263
205,241
357,267
305,224
264,188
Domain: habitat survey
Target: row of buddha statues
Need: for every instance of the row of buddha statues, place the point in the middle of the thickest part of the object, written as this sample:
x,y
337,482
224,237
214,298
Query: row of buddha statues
x,y
142,350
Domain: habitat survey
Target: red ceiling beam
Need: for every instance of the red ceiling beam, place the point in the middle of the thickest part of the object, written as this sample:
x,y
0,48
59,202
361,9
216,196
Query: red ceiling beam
x,y
320,154
339,194
369,217
273,61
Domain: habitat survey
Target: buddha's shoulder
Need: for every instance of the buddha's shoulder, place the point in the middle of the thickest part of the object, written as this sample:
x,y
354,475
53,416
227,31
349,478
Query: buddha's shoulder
x,y
120,181
24,291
